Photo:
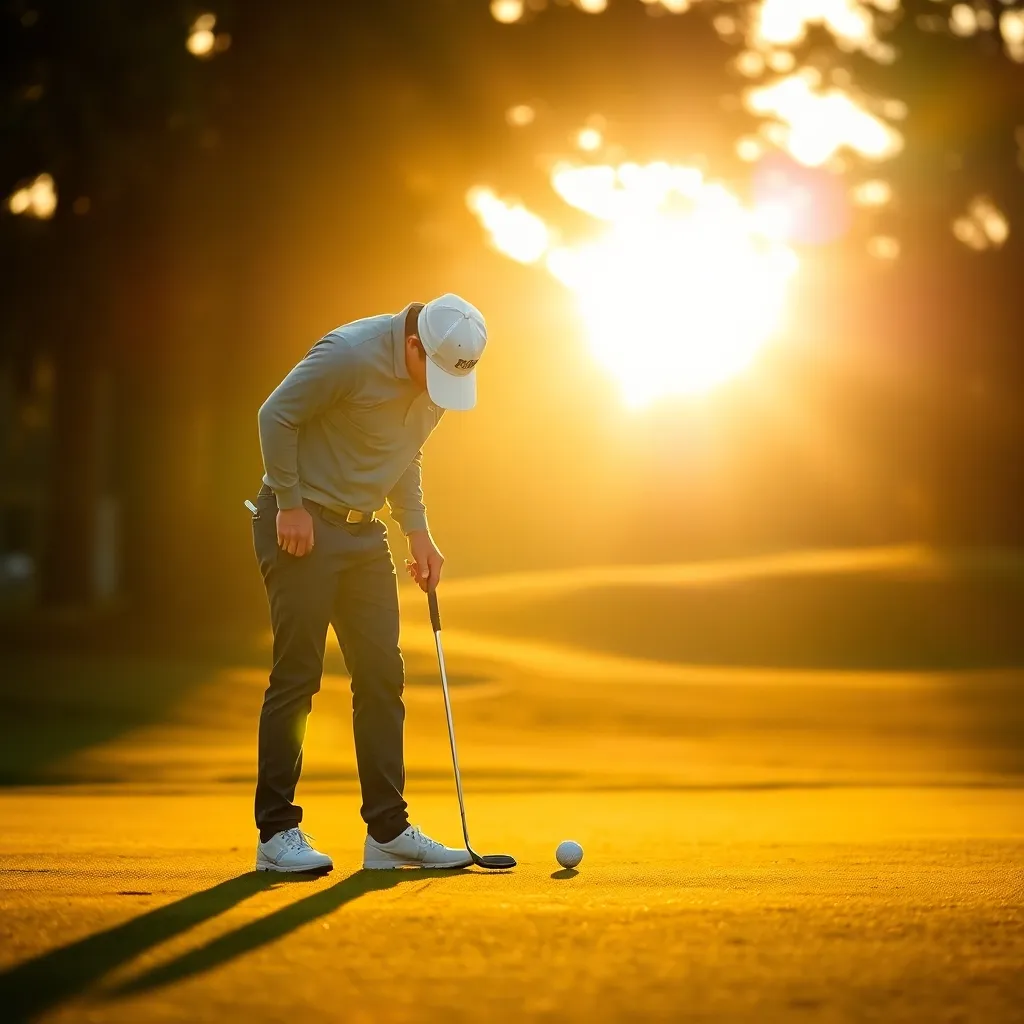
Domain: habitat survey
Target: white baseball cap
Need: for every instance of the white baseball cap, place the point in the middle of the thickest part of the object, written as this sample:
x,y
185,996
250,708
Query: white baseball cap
x,y
454,335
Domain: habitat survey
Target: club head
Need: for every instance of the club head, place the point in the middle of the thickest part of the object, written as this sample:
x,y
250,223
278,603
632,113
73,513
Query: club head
x,y
494,861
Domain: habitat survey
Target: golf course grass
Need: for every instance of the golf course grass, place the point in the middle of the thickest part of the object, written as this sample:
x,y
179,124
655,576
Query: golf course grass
x,y
773,830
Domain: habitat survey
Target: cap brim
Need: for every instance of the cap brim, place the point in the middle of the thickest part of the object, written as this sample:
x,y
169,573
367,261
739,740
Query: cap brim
x,y
449,391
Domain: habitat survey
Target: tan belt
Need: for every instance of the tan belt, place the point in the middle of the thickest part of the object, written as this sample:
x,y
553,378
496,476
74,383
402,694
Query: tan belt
x,y
352,516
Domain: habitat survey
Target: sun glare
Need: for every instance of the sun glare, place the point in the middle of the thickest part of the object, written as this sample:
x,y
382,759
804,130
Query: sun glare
x,y
815,125
681,286
513,229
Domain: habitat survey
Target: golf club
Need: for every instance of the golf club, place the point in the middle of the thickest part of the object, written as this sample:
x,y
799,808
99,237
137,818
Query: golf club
x,y
494,861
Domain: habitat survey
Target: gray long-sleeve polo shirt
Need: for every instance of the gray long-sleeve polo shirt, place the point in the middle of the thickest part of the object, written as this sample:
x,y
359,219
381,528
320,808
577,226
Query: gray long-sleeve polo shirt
x,y
346,427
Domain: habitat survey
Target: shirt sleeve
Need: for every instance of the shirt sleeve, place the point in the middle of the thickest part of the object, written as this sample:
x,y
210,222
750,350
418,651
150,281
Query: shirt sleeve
x,y
406,498
322,379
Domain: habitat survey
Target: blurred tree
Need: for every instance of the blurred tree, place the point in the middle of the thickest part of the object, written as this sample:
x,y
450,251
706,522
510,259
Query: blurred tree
x,y
929,93
103,105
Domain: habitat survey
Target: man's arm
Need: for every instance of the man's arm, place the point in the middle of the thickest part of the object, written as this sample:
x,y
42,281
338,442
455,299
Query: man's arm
x,y
322,378
406,498
406,504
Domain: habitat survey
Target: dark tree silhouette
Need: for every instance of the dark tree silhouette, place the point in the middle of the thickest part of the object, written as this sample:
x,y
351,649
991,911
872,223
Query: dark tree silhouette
x,y
105,98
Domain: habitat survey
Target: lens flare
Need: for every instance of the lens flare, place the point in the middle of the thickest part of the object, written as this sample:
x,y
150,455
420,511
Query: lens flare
x,y
872,193
507,11
679,289
38,199
1011,26
884,247
984,226
201,44
963,20
520,115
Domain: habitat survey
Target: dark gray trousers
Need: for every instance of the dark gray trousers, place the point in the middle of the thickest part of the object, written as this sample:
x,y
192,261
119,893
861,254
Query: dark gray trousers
x,y
347,581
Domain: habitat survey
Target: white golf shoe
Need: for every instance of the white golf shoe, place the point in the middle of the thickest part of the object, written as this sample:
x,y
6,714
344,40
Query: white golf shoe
x,y
290,851
412,849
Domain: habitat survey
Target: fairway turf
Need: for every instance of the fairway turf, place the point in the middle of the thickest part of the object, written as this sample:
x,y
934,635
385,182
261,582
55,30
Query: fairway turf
x,y
827,904
801,843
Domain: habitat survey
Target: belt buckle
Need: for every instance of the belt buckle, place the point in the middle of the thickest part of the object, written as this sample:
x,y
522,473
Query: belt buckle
x,y
354,516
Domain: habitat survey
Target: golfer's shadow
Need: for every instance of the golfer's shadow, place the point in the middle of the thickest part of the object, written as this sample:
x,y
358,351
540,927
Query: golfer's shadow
x,y
271,928
29,989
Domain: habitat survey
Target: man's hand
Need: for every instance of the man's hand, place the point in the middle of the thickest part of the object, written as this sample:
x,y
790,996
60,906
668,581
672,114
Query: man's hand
x,y
295,531
425,561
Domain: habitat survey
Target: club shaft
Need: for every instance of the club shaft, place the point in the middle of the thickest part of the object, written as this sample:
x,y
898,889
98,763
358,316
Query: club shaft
x,y
451,734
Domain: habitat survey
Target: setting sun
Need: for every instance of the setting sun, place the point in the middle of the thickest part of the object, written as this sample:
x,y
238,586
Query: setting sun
x,y
681,287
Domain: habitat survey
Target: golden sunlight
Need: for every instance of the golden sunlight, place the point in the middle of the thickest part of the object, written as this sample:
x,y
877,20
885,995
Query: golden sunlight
x,y
679,290
813,125
513,229
785,22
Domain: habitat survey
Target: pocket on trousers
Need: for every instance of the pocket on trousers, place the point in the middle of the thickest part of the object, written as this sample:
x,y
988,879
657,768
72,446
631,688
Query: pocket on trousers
x,y
264,536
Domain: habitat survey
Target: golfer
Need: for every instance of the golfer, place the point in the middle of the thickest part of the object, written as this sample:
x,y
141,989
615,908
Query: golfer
x,y
341,436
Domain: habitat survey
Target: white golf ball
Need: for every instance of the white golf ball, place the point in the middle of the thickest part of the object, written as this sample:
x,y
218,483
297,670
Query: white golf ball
x,y
569,854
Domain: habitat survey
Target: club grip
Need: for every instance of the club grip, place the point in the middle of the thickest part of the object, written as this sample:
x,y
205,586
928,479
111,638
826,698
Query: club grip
x,y
435,613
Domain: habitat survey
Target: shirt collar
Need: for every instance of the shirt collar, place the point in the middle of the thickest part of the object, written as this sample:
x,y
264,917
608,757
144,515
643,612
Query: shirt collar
x,y
398,341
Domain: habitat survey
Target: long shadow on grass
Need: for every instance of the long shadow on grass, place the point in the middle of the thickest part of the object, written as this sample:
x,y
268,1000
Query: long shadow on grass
x,y
29,989
274,926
